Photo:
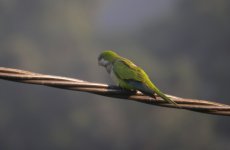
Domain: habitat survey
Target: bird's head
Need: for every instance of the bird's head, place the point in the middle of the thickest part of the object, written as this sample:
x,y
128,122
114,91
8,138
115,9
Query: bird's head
x,y
107,57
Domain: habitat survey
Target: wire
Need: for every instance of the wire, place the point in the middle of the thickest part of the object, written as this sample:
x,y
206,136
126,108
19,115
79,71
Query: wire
x,y
202,106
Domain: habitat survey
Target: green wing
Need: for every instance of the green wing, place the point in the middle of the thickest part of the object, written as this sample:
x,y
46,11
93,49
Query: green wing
x,y
126,70
133,77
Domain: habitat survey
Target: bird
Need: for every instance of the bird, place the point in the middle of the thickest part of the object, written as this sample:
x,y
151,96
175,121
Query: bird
x,y
129,76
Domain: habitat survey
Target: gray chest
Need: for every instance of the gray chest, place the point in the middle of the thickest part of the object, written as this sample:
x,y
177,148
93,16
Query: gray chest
x,y
109,69
114,77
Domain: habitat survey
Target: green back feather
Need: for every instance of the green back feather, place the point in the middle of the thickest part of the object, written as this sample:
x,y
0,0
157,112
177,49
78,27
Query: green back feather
x,y
126,70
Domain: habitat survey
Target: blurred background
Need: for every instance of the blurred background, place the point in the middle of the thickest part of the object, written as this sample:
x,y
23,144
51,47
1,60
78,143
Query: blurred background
x,y
183,45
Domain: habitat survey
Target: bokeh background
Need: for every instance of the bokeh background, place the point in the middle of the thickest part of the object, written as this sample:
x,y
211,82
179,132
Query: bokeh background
x,y
183,45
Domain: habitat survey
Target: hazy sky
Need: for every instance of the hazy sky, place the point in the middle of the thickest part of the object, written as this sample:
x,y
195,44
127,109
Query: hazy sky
x,y
126,16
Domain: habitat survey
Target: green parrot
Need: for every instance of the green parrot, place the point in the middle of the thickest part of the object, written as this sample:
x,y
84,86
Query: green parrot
x,y
129,76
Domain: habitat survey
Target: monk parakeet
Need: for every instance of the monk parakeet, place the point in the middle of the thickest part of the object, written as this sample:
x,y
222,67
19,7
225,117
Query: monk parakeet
x,y
129,76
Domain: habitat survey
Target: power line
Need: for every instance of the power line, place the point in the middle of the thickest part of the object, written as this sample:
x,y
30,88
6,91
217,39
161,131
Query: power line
x,y
203,106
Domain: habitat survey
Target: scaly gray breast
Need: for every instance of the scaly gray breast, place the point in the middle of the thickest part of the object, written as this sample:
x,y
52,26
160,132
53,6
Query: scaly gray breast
x,y
114,76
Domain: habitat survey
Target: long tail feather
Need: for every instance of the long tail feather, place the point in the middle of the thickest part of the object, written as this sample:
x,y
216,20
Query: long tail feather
x,y
149,89
161,94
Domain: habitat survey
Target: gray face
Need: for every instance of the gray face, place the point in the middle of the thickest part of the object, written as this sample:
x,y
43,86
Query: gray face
x,y
106,64
103,62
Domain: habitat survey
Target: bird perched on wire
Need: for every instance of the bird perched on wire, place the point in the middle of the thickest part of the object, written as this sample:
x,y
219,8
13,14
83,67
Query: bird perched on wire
x,y
129,76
